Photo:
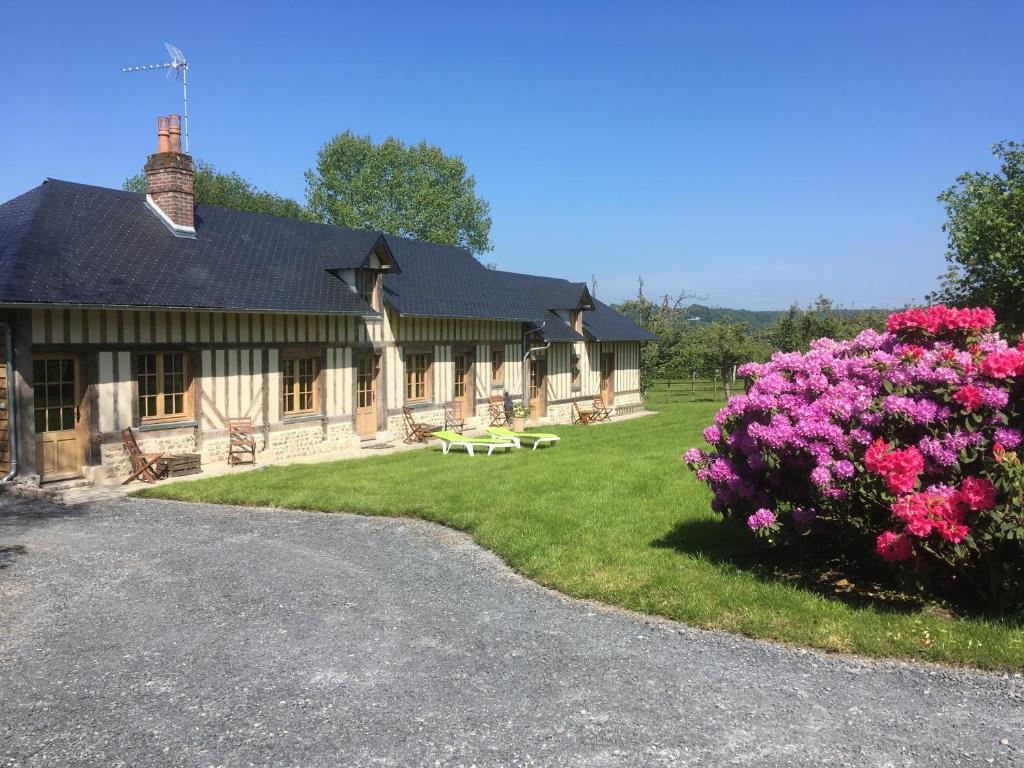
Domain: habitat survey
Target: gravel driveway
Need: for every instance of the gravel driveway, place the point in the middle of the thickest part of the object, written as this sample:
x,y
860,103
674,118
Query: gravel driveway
x,y
143,633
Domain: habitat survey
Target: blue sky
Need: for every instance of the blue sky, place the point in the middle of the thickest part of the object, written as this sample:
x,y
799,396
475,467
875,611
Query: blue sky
x,y
750,154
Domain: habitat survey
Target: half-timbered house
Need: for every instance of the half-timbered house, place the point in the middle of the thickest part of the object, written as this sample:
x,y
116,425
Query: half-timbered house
x,y
169,317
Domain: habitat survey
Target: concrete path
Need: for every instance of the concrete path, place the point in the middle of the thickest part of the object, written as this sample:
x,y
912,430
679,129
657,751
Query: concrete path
x,y
142,633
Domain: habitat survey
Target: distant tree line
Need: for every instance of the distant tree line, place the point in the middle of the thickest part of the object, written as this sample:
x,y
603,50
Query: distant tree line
x,y
688,345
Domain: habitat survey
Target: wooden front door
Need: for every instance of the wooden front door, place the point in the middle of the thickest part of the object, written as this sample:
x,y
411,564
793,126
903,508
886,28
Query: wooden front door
x,y
57,400
538,385
367,370
463,389
608,379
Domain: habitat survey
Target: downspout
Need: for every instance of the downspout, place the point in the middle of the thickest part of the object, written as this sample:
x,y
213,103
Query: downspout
x,y
529,352
12,422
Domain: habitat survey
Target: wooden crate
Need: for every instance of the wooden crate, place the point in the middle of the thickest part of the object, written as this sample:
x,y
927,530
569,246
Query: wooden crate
x,y
179,464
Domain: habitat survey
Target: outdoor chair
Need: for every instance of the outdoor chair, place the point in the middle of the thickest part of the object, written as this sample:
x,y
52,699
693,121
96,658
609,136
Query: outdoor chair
x,y
496,411
601,411
142,463
580,416
415,431
517,438
449,439
453,424
241,441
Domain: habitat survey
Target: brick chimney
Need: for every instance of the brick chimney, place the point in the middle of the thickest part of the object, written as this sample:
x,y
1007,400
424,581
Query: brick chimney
x,y
169,179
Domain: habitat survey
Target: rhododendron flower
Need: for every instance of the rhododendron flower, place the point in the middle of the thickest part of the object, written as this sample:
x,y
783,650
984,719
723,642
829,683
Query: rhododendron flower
x,y
998,451
978,493
712,434
761,519
845,469
933,320
894,547
931,511
1007,437
899,468
821,477
693,455
970,397
1003,364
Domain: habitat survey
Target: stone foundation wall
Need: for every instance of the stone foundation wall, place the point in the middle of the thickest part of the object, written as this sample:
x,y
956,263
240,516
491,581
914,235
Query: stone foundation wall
x,y
631,403
305,440
560,413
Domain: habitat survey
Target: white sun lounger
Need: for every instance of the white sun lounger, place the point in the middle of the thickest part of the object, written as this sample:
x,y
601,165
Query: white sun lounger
x,y
517,438
449,439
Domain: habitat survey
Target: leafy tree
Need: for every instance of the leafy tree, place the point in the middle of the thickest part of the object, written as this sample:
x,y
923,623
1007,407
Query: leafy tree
x,y
716,348
407,190
230,190
985,228
795,330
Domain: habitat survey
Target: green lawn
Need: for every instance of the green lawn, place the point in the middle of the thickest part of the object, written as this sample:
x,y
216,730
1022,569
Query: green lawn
x,y
612,514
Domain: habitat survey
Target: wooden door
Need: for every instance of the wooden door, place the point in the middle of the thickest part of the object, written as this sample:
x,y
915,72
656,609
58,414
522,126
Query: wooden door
x,y
608,379
462,392
538,387
57,401
367,370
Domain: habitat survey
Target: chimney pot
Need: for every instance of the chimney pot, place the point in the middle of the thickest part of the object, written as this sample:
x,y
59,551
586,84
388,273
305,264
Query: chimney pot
x,y
163,135
174,122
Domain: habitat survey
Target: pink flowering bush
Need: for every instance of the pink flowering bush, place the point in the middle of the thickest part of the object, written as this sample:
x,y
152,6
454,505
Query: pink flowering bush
x,y
896,446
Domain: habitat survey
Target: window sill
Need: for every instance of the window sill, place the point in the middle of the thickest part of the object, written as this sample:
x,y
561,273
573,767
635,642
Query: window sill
x,y
300,418
419,405
152,426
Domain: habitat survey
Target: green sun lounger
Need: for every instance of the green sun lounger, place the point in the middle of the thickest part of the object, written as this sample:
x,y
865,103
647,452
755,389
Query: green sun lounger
x,y
504,433
448,439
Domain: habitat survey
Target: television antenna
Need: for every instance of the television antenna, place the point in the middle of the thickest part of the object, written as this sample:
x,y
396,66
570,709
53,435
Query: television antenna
x,y
178,65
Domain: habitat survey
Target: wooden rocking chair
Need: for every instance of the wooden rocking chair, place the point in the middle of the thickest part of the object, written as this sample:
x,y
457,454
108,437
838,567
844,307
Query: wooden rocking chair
x,y
601,411
241,441
142,463
496,412
580,416
417,432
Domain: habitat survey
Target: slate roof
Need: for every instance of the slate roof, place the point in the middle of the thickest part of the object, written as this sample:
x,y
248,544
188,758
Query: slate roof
x,y
67,243
605,324
445,281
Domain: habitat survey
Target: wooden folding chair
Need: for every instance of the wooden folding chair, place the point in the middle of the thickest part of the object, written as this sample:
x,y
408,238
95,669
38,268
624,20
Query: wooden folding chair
x,y
581,416
415,431
453,424
241,440
142,463
496,411
601,411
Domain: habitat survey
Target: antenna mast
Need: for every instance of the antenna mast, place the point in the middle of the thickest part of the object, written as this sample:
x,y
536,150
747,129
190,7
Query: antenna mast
x,y
178,65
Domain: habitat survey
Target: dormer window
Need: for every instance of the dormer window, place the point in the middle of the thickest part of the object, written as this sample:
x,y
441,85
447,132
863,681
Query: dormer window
x,y
366,286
